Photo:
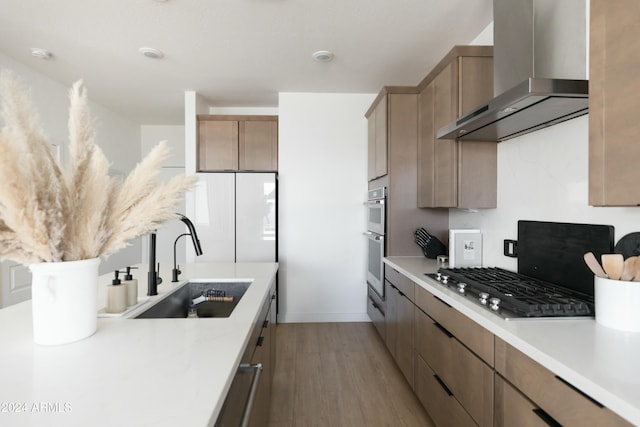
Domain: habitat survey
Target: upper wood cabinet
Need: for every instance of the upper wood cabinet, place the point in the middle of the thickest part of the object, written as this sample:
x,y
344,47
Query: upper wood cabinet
x,y
237,143
454,173
613,83
378,138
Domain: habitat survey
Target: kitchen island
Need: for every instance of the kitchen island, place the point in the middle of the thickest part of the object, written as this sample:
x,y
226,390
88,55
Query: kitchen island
x,y
133,372
600,361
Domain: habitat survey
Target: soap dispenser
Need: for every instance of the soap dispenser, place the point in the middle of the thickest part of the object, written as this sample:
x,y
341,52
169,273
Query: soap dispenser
x,y
132,287
116,296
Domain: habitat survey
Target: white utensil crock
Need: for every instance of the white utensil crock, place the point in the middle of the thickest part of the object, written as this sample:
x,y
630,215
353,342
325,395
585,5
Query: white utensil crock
x,y
617,304
64,300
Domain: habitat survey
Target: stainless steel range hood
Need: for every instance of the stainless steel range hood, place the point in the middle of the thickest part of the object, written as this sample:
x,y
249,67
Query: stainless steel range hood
x,y
540,68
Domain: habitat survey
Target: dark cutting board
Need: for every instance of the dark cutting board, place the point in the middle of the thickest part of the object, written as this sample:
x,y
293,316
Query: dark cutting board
x,y
554,251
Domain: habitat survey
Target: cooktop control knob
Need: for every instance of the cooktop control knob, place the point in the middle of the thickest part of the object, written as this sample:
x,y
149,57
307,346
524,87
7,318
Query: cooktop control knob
x,y
445,279
438,276
494,304
484,297
461,287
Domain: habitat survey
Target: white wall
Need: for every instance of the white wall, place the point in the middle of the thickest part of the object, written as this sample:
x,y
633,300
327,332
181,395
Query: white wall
x,y
174,165
542,176
323,169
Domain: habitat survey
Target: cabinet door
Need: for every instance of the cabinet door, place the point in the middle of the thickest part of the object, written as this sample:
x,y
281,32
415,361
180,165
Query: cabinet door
x,y
613,124
263,354
426,147
453,173
513,409
258,145
472,335
404,349
218,145
477,180
391,317
376,314
437,399
371,146
445,150
466,376
561,400
381,137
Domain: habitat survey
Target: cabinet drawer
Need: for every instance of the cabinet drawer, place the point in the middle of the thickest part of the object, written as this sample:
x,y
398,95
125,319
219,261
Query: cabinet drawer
x,y
443,408
474,336
562,402
377,316
514,409
403,283
466,375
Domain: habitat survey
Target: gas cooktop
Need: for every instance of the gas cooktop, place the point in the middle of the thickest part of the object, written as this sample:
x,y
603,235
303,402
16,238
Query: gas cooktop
x,y
515,296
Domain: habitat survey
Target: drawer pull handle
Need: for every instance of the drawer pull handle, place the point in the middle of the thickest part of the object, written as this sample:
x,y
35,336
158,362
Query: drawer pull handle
x,y
442,301
443,385
443,329
546,418
582,393
255,380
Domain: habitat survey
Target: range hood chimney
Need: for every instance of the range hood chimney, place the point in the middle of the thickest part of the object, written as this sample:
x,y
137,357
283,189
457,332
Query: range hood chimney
x,y
540,70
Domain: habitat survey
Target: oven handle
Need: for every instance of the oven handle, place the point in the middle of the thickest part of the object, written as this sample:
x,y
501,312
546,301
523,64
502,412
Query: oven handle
x,y
374,202
248,407
373,236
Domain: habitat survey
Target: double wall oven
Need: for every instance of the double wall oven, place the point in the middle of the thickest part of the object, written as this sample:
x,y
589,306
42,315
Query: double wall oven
x,y
376,227
376,208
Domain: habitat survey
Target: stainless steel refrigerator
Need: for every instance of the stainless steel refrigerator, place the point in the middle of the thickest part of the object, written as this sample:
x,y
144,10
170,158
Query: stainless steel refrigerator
x,y
236,216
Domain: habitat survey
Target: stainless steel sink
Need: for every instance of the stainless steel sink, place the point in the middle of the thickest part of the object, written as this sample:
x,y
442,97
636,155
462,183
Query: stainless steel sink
x,y
176,304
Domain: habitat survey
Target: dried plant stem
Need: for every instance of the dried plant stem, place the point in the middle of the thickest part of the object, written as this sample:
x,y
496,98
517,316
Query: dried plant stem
x,y
48,214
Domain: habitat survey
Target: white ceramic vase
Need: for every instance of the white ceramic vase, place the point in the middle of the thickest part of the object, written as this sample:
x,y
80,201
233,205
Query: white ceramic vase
x,y
64,300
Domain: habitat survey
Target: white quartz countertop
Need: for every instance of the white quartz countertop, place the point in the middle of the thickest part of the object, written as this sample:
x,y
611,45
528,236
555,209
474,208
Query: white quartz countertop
x,y
131,372
602,362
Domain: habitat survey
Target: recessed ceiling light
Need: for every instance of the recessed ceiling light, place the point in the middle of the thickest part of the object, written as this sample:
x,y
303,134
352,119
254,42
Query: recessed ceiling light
x,y
322,56
150,52
37,52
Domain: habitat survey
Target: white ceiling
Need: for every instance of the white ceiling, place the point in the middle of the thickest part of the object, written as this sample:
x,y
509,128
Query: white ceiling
x,y
236,53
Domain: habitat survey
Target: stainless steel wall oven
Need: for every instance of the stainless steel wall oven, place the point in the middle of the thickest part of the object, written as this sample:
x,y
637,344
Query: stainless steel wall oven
x,y
376,205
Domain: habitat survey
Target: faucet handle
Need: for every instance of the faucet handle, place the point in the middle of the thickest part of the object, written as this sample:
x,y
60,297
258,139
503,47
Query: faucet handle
x,y
158,278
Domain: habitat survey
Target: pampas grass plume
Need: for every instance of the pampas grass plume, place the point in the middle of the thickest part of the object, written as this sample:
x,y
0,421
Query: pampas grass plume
x,y
52,214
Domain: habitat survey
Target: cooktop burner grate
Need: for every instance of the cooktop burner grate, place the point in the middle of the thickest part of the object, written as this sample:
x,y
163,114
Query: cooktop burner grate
x,y
519,294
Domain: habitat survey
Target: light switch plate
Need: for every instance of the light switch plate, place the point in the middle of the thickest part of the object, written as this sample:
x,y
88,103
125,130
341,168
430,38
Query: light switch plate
x,y
465,248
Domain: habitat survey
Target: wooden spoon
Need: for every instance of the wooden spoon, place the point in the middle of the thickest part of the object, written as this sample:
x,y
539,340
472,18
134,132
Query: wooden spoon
x,y
636,278
629,271
613,264
594,265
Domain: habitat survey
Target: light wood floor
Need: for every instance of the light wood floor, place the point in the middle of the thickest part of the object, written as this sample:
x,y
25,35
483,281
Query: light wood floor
x,y
339,374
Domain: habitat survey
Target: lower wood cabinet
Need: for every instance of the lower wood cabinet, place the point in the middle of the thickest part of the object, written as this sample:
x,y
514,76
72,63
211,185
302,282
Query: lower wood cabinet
x,y
399,327
514,409
376,311
265,353
464,374
437,399
553,397
468,332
